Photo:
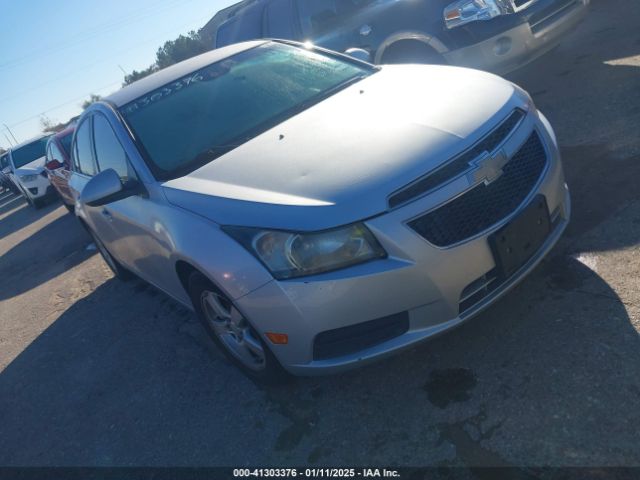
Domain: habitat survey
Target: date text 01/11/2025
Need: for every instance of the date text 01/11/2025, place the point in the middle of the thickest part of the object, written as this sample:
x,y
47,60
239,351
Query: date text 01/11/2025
x,y
316,472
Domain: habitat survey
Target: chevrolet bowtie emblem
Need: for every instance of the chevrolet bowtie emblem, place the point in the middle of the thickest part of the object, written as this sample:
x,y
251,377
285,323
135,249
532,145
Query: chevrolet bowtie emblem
x,y
487,168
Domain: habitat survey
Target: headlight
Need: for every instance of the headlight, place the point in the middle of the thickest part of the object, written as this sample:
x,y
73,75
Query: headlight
x,y
526,98
294,254
465,11
28,178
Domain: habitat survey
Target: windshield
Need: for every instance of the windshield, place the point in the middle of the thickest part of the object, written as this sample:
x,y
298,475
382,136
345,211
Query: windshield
x,y
321,17
197,118
29,152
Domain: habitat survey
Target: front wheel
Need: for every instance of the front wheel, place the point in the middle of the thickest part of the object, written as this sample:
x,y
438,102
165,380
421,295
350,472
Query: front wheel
x,y
233,333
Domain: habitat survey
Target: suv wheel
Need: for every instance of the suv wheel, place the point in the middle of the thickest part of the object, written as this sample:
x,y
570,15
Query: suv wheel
x,y
233,333
412,52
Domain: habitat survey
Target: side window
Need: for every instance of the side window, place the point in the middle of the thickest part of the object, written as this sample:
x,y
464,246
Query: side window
x,y
317,17
109,151
281,20
54,153
82,156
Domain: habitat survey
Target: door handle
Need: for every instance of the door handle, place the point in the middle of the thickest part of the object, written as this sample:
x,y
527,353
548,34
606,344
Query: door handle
x,y
107,214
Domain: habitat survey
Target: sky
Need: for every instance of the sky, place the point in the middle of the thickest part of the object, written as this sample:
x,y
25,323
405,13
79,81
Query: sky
x,y
53,55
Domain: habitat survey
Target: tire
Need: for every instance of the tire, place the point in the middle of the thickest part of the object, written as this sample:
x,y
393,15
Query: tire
x,y
412,52
37,203
70,208
118,270
233,334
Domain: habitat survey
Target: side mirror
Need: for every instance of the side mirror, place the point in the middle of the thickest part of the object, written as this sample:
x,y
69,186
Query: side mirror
x,y
359,54
53,165
106,187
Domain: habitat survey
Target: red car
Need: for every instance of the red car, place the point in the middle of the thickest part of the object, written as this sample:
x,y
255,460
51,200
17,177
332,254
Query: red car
x,y
58,165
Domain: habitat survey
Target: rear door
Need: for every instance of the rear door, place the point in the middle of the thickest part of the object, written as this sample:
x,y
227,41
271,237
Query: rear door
x,y
59,176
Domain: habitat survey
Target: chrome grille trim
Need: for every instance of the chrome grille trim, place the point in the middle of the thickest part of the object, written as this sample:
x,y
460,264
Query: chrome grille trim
x,y
519,5
436,234
459,165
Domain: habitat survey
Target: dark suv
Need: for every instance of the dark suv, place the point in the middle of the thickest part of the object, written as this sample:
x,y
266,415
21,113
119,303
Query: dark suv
x,y
495,35
5,169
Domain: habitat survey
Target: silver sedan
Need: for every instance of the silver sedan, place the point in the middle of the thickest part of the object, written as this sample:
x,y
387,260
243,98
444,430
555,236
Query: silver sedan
x,y
315,211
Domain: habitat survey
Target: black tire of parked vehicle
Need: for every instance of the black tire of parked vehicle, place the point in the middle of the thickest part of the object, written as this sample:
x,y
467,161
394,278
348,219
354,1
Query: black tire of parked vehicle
x,y
70,208
118,270
411,51
270,372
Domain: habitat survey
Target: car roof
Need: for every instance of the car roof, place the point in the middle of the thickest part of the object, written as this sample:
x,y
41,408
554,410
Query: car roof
x,y
63,133
177,71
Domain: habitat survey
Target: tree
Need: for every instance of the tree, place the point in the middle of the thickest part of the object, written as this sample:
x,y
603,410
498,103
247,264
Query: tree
x,y
92,99
173,51
51,126
137,75
180,49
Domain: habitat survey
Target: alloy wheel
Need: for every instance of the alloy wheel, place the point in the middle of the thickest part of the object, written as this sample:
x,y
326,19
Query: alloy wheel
x,y
233,330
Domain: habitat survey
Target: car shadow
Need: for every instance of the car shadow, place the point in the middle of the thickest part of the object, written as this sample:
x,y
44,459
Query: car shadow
x,y
595,121
9,201
45,254
16,213
126,376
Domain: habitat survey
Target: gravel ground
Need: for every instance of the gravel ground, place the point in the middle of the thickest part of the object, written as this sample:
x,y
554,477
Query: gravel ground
x,y
95,372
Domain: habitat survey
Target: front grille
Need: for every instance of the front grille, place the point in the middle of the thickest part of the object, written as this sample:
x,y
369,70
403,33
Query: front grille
x,y
477,290
354,338
485,205
480,288
458,165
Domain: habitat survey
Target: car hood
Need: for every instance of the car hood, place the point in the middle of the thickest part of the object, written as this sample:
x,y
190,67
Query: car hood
x,y
32,168
338,161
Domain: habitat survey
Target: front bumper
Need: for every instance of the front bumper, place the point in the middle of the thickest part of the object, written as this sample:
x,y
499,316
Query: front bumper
x,y
38,188
518,46
418,280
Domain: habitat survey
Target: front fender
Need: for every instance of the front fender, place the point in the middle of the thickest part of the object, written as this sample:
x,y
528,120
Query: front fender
x,y
202,244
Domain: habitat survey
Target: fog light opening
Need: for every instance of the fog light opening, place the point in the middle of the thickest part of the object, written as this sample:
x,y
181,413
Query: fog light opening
x,y
502,46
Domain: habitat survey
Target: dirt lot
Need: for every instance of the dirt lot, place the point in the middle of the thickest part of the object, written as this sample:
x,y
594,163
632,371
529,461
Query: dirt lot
x,y
97,372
